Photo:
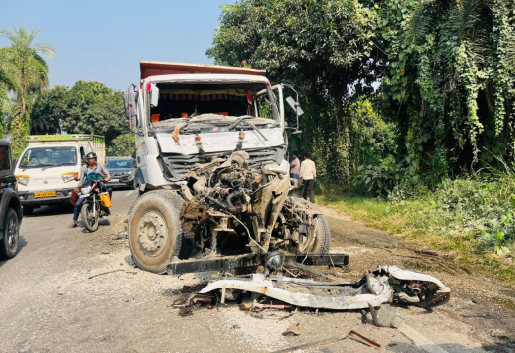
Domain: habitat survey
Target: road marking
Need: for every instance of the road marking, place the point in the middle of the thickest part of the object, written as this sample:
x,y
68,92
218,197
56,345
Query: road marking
x,y
129,193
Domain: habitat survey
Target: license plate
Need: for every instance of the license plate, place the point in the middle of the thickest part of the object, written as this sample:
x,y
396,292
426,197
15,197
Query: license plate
x,y
115,180
45,194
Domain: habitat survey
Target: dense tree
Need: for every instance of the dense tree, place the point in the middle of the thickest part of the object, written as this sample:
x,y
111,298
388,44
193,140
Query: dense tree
x,y
451,77
321,46
6,84
28,71
50,110
123,145
93,108
446,71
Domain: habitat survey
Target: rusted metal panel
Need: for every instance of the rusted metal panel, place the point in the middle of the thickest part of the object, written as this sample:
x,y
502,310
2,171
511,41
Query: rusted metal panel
x,y
226,263
153,68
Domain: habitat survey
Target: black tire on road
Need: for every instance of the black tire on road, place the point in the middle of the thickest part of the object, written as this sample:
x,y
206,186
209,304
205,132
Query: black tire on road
x,y
28,210
10,242
90,222
154,232
323,239
134,184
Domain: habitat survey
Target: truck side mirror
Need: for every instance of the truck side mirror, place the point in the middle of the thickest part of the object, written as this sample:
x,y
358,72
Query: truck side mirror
x,y
295,106
130,104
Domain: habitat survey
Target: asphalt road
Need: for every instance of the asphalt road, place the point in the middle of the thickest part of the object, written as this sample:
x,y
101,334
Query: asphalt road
x,y
70,290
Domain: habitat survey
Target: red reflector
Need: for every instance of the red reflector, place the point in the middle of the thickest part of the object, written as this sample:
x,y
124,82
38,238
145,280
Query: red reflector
x,y
149,87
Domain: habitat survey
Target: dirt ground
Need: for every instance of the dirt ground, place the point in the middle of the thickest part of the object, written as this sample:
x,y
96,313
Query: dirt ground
x,y
69,290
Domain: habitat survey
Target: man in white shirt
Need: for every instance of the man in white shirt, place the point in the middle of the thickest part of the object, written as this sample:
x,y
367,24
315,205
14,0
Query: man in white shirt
x,y
308,172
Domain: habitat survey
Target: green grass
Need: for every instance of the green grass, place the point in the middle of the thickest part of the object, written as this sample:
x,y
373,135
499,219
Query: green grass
x,y
428,221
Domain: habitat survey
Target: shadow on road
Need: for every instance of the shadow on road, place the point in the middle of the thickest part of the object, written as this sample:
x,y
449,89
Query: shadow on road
x,y
21,244
52,211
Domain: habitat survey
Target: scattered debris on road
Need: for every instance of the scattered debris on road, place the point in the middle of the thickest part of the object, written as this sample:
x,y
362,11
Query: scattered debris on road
x,y
294,330
351,334
384,285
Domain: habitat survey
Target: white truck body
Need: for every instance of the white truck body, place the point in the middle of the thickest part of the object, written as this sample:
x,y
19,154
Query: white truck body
x,y
162,160
48,167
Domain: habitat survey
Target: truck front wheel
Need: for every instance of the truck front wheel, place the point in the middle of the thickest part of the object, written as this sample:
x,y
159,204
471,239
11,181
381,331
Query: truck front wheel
x,y
154,231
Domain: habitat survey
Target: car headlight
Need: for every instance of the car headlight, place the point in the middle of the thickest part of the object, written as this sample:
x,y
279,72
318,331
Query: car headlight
x,y
127,173
23,179
85,190
70,176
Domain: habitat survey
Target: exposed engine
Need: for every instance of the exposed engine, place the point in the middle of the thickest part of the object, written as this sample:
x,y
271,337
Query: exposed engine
x,y
234,209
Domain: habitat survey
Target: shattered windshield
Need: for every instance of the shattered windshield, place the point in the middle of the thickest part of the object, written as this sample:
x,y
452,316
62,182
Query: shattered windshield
x,y
37,157
217,106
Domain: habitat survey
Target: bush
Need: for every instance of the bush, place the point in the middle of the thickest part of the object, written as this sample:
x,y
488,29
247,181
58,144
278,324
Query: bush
x,y
379,180
477,209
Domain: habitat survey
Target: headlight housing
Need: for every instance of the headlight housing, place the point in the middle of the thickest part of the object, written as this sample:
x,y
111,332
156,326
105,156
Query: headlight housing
x,y
70,176
23,179
85,190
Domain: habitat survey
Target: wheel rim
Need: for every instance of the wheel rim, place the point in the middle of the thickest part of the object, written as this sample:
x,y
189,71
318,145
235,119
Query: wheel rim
x,y
306,241
12,232
152,233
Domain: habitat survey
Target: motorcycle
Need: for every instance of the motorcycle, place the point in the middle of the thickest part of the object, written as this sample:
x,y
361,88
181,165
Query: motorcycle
x,y
96,201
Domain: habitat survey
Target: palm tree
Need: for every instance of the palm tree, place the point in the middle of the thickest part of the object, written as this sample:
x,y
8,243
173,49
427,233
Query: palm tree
x,y
24,64
28,71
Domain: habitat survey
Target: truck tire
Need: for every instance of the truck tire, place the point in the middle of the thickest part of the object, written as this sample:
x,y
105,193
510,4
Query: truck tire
x,y
187,243
154,232
10,242
322,242
323,239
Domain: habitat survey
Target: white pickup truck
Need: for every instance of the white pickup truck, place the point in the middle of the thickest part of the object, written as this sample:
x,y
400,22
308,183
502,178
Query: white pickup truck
x,y
48,167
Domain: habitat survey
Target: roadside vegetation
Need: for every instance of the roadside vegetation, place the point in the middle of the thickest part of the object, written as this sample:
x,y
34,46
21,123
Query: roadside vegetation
x,y
410,110
28,106
472,218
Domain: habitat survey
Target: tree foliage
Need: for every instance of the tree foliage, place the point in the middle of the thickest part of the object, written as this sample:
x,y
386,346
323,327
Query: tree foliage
x,y
123,145
320,46
451,77
93,108
27,72
445,70
50,110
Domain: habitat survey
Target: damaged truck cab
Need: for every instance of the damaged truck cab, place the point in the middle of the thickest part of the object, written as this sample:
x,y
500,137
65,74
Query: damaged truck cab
x,y
214,180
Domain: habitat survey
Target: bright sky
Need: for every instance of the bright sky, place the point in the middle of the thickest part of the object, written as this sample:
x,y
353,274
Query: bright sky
x,y
104,40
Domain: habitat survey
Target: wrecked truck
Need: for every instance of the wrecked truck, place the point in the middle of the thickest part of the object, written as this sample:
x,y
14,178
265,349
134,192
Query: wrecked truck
x,y
211,148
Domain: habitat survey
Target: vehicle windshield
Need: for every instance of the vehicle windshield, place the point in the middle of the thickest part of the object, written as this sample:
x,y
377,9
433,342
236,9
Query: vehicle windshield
x,y
119,163
38,157
213,105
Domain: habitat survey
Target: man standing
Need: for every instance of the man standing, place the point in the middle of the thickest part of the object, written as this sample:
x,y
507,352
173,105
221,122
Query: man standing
x,y
308,172
295,167
92,166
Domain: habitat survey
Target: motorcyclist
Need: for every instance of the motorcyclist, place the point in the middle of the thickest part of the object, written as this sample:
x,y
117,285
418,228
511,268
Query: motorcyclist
x,y
91,166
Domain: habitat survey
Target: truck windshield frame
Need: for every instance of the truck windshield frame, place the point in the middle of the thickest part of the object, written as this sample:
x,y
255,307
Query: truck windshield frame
x,y
49,156
200,99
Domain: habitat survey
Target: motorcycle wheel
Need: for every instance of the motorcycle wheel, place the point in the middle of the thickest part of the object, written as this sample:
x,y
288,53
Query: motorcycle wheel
x,y
90,221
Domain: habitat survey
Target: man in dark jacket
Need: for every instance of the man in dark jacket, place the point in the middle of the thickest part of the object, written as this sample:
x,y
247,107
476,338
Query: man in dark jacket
x,y
92,166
